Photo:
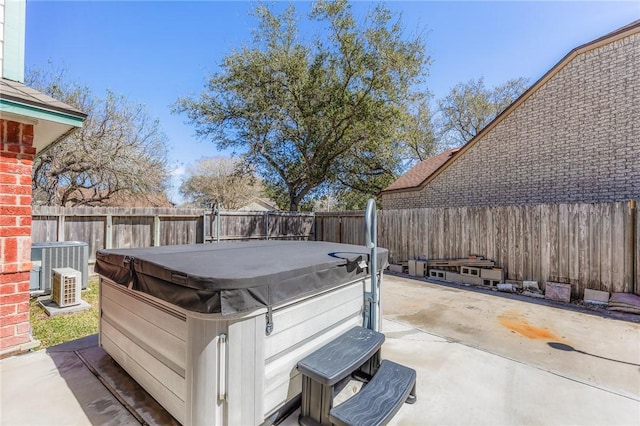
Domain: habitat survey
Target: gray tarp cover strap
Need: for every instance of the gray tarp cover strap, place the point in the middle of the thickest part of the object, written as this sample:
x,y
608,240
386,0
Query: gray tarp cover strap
x,y
231,278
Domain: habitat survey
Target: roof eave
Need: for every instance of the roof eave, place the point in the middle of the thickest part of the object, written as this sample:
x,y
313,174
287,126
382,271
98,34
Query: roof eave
x,y
49,126
38,112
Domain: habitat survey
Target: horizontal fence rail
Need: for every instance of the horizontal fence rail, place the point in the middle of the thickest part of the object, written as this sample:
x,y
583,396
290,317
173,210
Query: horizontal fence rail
x,y
593,246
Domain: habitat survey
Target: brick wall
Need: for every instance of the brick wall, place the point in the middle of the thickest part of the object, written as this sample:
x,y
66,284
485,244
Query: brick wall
x,y
16,159
576,139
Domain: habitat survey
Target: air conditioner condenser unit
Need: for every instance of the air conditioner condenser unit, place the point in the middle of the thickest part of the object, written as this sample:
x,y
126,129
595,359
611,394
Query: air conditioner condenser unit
x,y
66,286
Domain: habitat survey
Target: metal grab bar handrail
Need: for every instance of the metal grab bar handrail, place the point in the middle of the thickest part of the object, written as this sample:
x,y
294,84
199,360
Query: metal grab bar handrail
x,y
371,227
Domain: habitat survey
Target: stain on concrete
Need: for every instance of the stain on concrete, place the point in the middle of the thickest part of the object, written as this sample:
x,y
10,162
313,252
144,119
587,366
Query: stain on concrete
x,y
463,329
401,334
425,318
107,406
147,410
516,322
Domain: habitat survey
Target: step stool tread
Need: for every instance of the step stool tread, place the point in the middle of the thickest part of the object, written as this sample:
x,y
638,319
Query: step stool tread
x,y
379,400
340,357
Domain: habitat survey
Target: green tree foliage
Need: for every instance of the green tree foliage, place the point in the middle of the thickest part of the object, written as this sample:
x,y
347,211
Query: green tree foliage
x,y
470,106
119,151
313,114
220,181
422,131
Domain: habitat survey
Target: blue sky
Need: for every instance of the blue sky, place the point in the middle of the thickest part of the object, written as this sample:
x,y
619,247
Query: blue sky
x,y
153,52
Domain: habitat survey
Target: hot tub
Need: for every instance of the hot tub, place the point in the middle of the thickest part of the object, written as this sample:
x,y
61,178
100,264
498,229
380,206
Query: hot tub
x,y
214,331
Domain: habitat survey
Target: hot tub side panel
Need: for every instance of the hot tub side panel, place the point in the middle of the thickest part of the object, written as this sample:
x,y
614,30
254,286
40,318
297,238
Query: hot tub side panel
x,y
149,341
176,355
260,372
206,399
301,328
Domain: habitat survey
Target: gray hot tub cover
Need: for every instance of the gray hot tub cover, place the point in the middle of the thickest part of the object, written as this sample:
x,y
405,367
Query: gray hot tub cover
x,y
231,278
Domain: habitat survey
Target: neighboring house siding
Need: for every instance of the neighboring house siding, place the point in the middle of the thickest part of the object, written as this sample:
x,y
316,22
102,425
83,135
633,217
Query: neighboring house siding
x,y
576,139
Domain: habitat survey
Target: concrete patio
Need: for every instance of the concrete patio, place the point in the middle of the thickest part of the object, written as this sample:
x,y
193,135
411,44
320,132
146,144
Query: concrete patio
x,y
482,359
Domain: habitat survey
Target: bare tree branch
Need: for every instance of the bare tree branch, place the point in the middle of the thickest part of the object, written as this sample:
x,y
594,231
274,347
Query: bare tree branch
x,y
119,150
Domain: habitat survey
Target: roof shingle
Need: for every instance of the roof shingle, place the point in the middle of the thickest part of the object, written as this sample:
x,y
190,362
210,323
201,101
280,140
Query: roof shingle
x,y
421,171
20,93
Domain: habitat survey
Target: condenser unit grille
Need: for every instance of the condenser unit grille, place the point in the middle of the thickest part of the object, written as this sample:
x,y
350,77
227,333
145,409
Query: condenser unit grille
x,y
61,254
67,283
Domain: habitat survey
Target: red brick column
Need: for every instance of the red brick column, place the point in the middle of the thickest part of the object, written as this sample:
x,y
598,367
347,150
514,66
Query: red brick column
x,y
16,160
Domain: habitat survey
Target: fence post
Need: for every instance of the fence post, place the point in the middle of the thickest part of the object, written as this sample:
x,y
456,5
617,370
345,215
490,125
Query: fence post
x,y
156,231
266,226
204,226
61,220
108,232
218,217
317,220
313,229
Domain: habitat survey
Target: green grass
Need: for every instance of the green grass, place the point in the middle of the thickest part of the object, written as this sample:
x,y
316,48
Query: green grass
x,y
51,331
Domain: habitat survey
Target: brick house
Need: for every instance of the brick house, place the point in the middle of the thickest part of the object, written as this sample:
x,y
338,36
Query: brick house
x,y
574,136
29,121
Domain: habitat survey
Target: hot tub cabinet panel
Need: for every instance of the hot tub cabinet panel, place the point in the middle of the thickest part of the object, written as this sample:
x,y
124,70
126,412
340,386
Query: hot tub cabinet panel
x,y
176,357
211,368
148,340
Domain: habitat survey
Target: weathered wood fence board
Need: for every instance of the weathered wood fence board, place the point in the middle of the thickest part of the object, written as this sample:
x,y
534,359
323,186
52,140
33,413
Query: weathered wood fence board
x,y
114,227
250,225
290,226
586,245
340,227
236,226
328,229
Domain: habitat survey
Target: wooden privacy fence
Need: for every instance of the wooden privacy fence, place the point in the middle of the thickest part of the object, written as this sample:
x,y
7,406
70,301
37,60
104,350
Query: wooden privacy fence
x,y
120,227
117,227
587,245
250,225
340,227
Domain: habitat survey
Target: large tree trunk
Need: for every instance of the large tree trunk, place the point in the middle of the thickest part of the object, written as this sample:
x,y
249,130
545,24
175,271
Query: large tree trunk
x,y
294,200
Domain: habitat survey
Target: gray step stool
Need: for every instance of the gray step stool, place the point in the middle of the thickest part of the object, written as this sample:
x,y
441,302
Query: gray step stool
x,y
354,353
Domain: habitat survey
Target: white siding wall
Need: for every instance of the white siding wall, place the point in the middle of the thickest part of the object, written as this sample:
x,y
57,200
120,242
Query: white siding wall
x,y
13,14
1,36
